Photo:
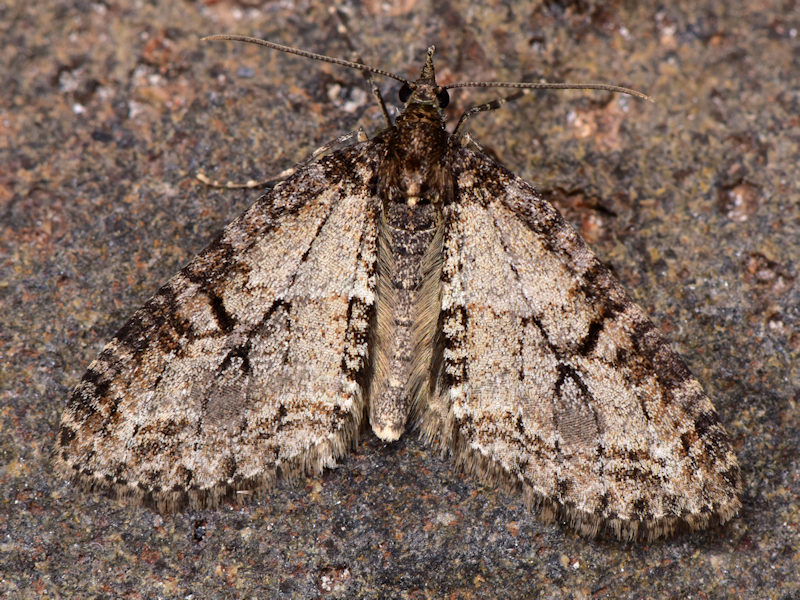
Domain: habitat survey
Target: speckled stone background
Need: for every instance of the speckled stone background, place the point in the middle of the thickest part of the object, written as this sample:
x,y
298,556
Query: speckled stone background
x,y
107,109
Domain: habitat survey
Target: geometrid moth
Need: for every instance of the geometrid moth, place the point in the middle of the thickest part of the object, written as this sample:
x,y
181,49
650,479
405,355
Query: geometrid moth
x,y
406,281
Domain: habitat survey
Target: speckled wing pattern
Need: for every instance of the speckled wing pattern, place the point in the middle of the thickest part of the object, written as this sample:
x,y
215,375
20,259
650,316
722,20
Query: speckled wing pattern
x,y
552,381
246,364
405,279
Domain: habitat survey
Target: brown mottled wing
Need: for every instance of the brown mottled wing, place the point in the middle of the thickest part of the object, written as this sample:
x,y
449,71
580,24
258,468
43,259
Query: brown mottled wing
x,y
249,362
549,378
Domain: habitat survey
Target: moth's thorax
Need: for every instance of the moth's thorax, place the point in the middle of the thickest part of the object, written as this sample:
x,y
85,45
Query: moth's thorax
x,y
413,169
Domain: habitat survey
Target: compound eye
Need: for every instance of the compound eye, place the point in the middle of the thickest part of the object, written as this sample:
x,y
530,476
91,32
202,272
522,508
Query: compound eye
x,y
443,98
404,93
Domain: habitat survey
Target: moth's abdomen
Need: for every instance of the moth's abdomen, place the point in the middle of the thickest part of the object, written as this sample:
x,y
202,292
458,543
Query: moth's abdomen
x,y
406,233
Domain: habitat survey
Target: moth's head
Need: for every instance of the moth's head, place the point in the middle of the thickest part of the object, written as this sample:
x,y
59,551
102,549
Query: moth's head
x,y
425,90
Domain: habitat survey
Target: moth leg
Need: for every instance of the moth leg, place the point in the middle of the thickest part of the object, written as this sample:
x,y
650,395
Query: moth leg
x,y
359,135
467,140
343,30
493,105
378,97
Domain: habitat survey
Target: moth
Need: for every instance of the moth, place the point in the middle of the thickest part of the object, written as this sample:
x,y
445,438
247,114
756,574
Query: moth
x,y
404,281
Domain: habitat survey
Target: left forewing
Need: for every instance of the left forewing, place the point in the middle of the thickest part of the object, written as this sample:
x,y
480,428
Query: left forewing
x,y
550,379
